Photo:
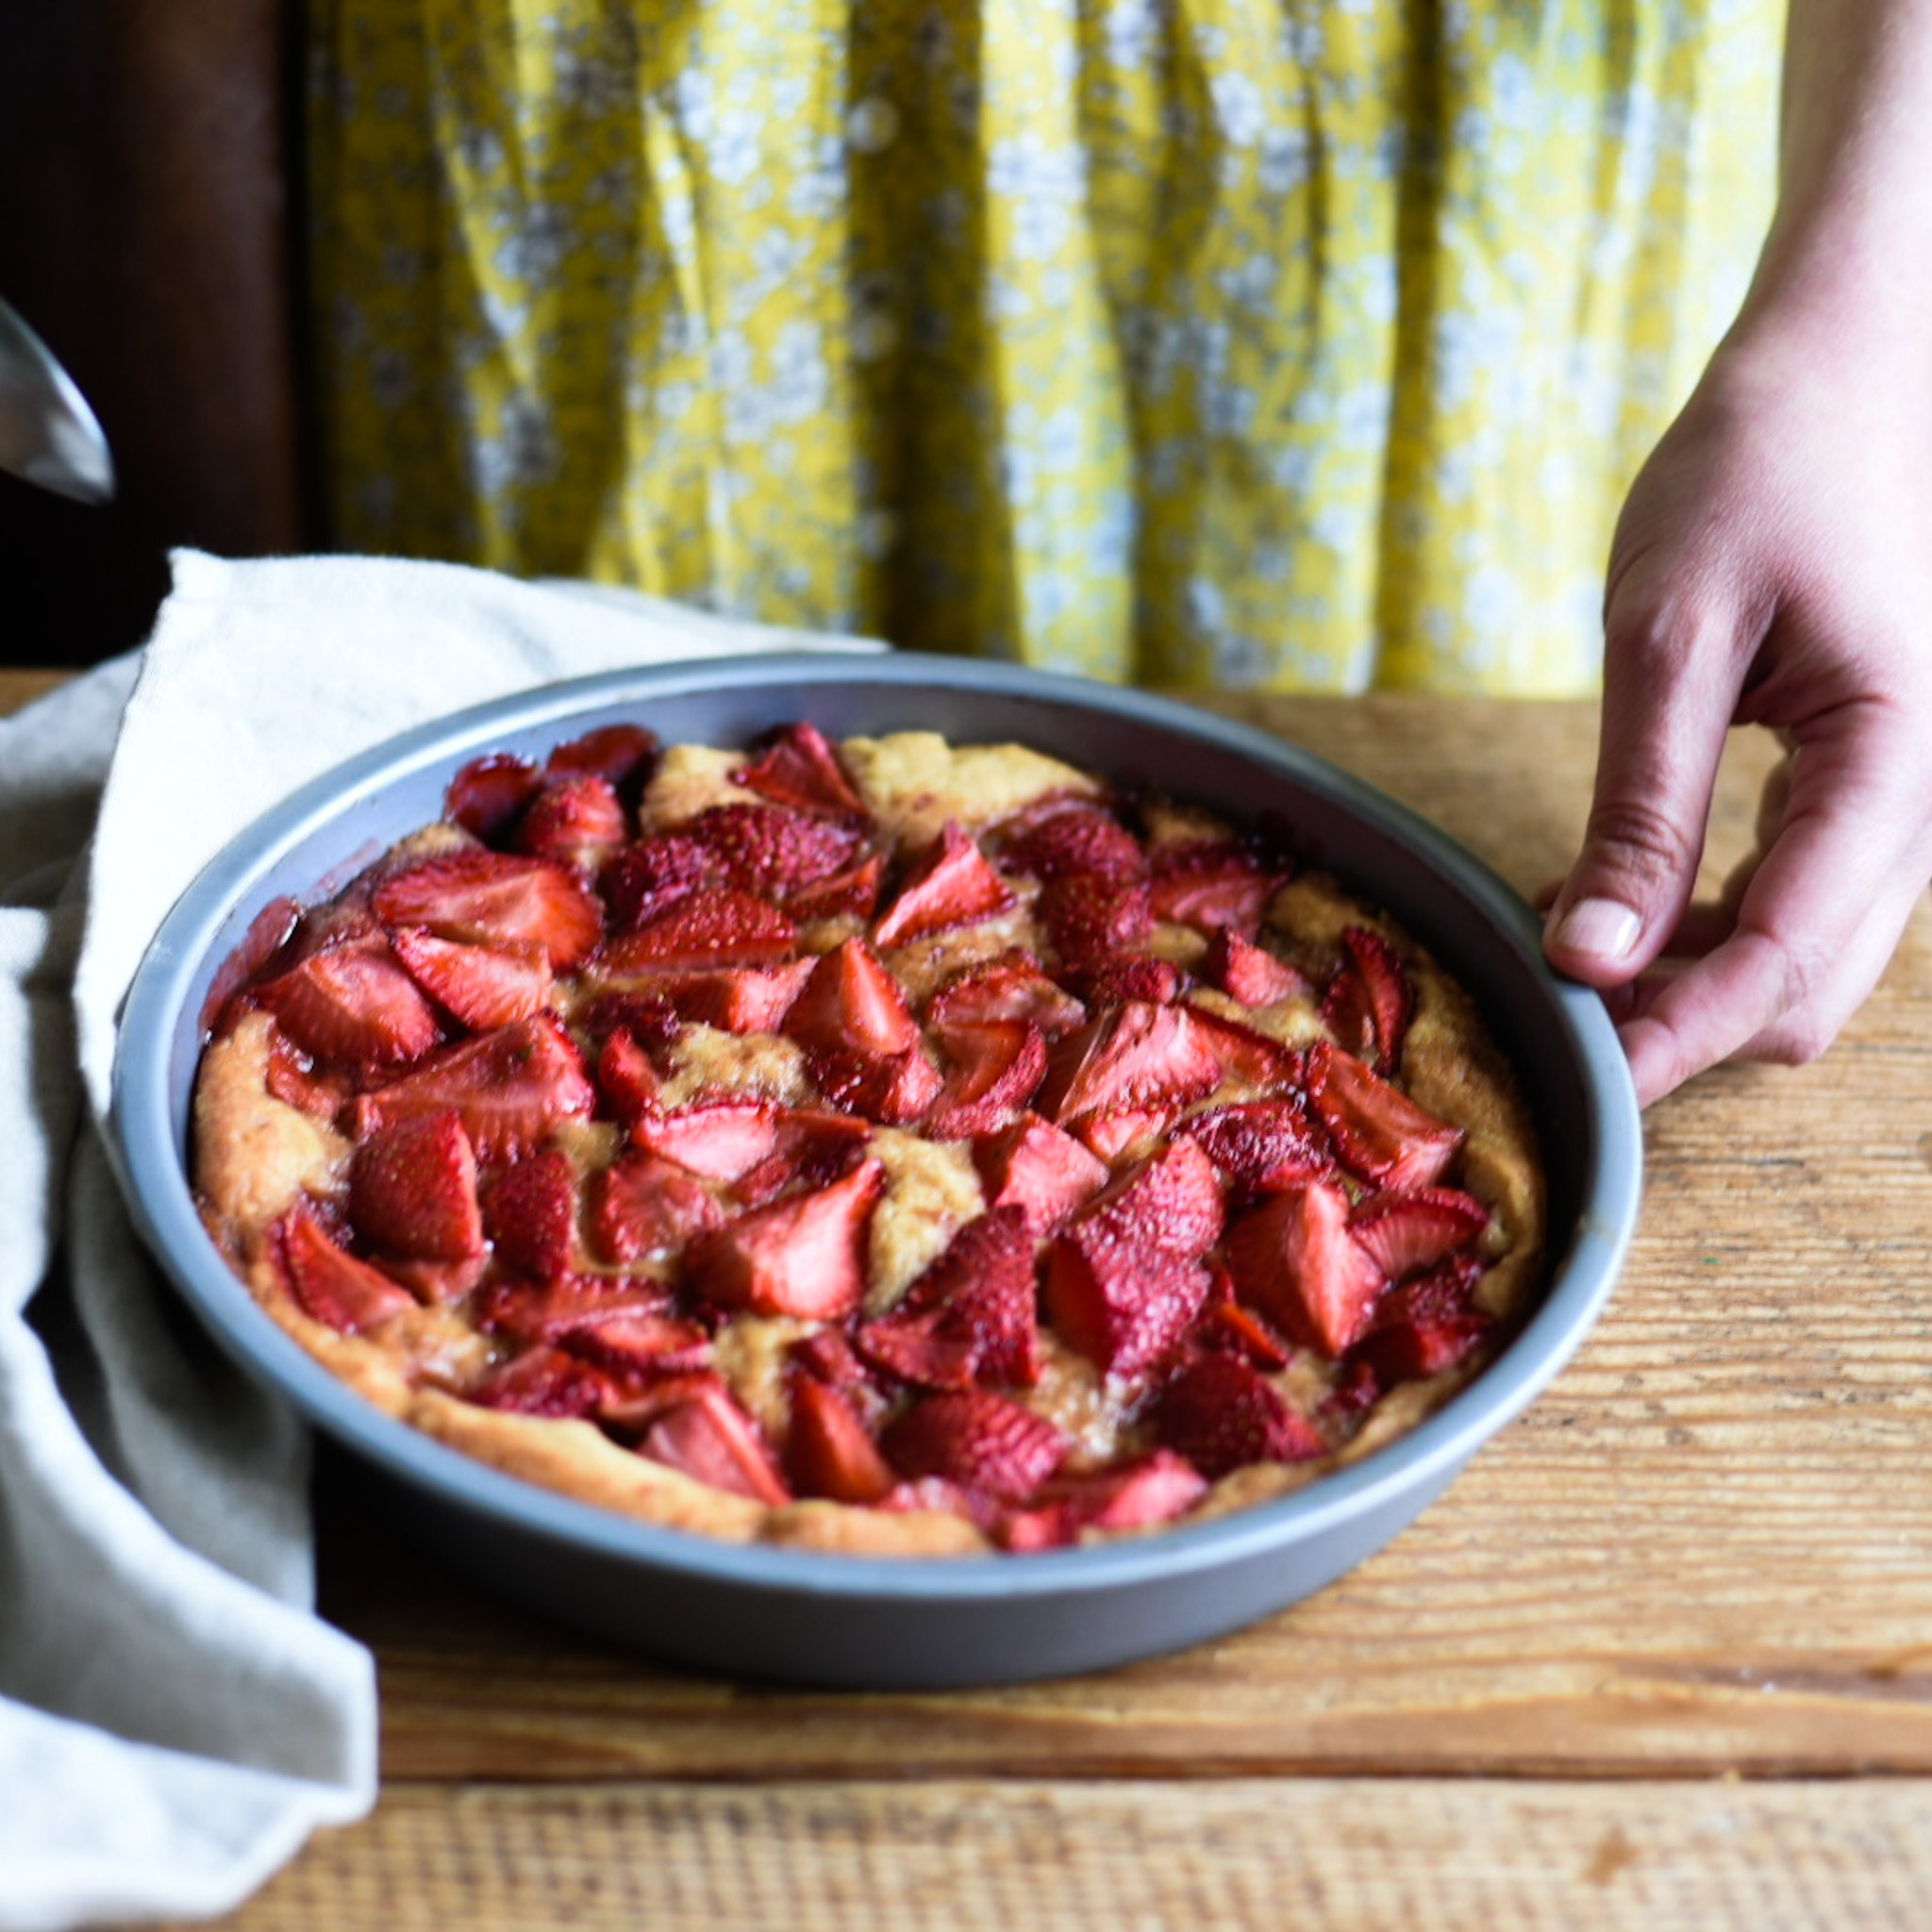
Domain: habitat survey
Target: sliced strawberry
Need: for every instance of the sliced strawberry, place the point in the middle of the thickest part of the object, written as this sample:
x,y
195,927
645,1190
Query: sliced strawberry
x,y
412,1190
798,766
1171,1199
952,883
1378,1131
1117,977
924,1349
530,1212
813,1146
354,1003
734,999
328,1283
509,1086
970,1315
642,1203
655,873
1423,1327
713,1440
640,1344
850,1004
626,1077
1370,1001
621,753
1249,973
576,820
995,1067
525,1311
892,1090
715,927
933,1492
976,1440
1263,1147
486,796
1074,840
1039,1168
1246,1053
434,1283
718,1139
1409,1229
1222,1414
801,1255
853,892
1015,985
828,1356
1209,884
491,898
294,1079
1294,1259
1088,917
773,850
1229,1325
545,1382
1137,1055
481,986
828,1449
1123,1303
1114,1132
1136,1496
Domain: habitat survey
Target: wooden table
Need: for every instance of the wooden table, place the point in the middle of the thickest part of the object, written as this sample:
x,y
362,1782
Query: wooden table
x,y
1661,1658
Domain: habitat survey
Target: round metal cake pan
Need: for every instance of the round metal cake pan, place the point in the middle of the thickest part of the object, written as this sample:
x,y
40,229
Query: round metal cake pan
x,y
816,1617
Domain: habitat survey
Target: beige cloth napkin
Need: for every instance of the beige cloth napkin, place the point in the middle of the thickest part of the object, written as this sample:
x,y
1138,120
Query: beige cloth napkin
x,y
175,1720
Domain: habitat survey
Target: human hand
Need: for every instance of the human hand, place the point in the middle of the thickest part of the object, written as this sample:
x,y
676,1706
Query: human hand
x,y
1772,566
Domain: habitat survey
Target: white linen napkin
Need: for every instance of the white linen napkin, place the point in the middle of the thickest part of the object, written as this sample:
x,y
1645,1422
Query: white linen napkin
x,y
174,1718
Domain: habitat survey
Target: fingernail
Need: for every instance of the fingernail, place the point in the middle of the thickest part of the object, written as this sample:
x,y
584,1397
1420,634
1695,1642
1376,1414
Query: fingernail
x,y
1600,927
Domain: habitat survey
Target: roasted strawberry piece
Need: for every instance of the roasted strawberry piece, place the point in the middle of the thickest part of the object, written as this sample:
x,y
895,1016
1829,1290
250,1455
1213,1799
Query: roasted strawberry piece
x,y
575,820
626,1076
950,884
644,878
1136,1496
294,1079
621,753
329,1285
850,1004
1227,1324
1015,985
980,1441
530,1213
1114,1132
720,928
1294,1258
354,1003
412,1190
828,1356
853,893
970,1316
771,850
268,932
486,796
734,999
1263,1147
495,898
640,1345
1039,1168
509,1086
1137,1055
1249,973
892,1090
481,986
1088,917
645,1205
995,1067
1211,883
525,1311
1423,1327
1121,976
828,1449
812,1146
718,1139
1377,1130
926,1349
710,1439
1172,1199
546,1382
1073,838
798,766
1223,1414
1370,1000
1409,1229
1121,1302
801,1255
1246,1053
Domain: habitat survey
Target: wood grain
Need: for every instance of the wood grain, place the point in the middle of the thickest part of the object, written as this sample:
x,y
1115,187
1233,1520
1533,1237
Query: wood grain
x,y
1389,1855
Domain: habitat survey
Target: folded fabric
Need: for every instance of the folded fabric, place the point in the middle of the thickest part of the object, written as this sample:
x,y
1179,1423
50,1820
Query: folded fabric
x,y
174,1720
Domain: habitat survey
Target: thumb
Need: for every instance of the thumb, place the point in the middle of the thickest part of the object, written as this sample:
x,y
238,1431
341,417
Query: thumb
x,y
1669,691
